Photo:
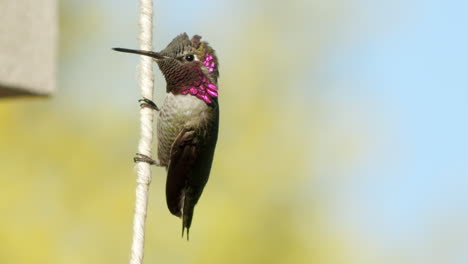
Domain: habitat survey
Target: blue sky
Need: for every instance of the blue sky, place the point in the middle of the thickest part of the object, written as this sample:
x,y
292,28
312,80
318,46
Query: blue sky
x,y
414,70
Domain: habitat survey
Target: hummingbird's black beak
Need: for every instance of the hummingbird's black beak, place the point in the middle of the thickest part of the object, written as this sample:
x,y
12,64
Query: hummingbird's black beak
x,y
152,54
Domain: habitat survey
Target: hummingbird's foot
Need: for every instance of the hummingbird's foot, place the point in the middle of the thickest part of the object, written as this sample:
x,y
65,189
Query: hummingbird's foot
x,y
143,158
148,103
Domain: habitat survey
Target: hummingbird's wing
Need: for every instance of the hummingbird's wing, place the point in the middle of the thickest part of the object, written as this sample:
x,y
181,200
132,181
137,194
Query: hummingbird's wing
x,y
188,171
182,157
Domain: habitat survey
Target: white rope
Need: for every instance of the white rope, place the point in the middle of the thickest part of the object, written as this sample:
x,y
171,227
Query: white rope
x,y
146,133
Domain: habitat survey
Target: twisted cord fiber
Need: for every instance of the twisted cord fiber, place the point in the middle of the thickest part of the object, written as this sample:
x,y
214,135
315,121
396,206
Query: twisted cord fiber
x,y
143,169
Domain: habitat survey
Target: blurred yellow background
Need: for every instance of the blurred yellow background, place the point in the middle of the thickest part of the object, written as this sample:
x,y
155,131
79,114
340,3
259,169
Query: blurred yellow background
x,y
306,142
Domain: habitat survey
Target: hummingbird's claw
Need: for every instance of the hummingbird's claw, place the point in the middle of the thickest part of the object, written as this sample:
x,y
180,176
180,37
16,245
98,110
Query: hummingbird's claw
x,y
148,103
143,158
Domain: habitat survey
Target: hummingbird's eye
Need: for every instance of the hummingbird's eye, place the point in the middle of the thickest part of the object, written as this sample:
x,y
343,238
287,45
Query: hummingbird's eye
x,y
189,57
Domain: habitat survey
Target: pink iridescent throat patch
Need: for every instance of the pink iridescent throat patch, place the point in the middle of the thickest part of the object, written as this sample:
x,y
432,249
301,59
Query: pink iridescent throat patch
x,y
204,89
208,62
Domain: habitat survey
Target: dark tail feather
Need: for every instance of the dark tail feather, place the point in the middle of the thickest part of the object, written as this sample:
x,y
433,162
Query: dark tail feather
x,y
187,215
183,229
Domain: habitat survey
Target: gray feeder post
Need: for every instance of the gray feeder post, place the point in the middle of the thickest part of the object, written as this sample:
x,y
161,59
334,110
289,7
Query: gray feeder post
x,y
28,47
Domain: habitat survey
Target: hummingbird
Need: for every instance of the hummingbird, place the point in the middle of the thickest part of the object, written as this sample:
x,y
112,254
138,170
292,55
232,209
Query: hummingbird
x,y
187,124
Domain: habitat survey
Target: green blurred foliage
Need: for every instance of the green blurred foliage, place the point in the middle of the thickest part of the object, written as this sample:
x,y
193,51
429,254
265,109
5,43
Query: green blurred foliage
x,y
67,184
67,192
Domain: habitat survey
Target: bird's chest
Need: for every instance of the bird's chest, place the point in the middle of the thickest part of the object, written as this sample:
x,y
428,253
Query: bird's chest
x,y
179,112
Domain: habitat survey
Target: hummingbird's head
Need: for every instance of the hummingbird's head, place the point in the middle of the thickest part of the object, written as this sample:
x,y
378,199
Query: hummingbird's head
x,y
189,53
190,66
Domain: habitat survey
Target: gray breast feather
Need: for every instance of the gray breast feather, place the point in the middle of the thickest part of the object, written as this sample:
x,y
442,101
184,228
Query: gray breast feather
x,y
178,112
